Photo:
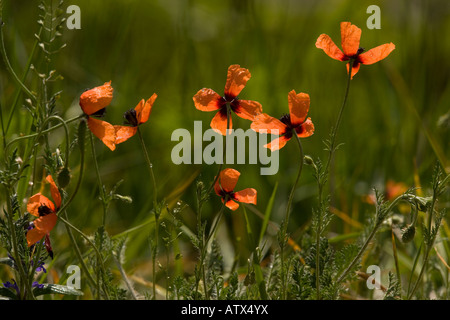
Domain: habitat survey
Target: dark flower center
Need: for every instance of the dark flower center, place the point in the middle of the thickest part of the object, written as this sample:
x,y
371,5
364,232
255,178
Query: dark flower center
x,y
286,119
233,101
100,113
131,118
355,56
223,194
43,210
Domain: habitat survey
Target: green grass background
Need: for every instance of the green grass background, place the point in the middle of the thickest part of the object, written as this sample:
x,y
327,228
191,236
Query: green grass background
x,y
174,48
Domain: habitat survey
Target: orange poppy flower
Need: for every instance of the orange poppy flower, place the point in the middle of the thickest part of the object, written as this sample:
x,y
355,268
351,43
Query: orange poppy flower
x,y
392,190
208,100
93,103
350,36
295,121
43,208
224,187
134,117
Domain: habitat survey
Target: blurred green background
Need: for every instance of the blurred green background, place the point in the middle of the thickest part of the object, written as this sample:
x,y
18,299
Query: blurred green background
x,y
396,108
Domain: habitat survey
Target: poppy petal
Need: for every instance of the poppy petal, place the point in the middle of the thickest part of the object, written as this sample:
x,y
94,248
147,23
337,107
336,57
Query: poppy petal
x,y
267,124
232,205
104,131
56,196
237,78
228,179
350,37
248,109
96,99
355,68
277,143
376,54
325,43
207,100
34,235
143,110
46,223
394,189
138,109
298,107
247,195
219,123
36,201
123,133
306,129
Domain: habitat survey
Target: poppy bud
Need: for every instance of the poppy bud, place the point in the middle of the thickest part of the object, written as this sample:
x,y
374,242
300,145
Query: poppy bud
x,y
308,160
408,233
64,177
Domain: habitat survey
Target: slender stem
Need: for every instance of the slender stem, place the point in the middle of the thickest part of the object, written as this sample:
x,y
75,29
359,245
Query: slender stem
x,y
428,246
394,252
99,179
33,267
68,226
291,195
27,68
212,232
80,175
155,209
334,132
105,210
200,202
213,229
125,278
78,252
369,239
224,150
3,127
288,209
9,67
37,134
16,254
150,167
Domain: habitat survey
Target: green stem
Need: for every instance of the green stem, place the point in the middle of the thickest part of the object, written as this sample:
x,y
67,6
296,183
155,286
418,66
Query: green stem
x,y
99,179
37,134
23,279
3,127
212,232
27,68
288,210
78,252
200,205
150,168
334,132
428,246
9,67
155,209
291,195
369,239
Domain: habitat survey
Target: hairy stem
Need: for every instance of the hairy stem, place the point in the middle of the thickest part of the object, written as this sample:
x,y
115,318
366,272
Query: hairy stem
x,y
288,210
155,209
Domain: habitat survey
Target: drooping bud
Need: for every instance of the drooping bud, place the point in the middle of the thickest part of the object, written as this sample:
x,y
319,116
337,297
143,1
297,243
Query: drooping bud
x,y
308,160
64,177
408,233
